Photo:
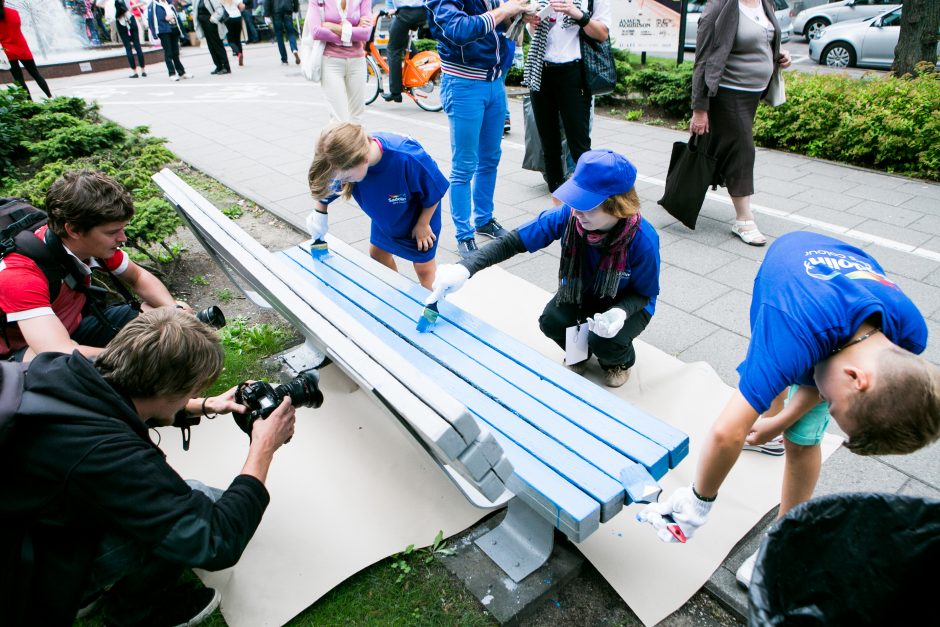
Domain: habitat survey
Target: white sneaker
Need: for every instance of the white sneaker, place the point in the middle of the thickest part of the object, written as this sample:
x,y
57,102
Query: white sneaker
x,y
187,75
745,571
774,447
175,77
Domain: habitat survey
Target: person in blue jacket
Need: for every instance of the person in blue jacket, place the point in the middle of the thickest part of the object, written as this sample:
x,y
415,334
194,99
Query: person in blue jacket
x,y
608,278
394,181
165,24
475,56
828,327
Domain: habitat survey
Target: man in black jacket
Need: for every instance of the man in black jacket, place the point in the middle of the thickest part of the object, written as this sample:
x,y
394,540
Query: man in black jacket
x,y
88,502
281,15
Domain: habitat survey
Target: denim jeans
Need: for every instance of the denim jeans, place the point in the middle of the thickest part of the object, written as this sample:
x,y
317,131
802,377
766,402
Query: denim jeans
x,y
284,25
476,110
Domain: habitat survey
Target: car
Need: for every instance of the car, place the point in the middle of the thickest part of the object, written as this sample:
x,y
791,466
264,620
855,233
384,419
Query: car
x,y
868,42
811,22
694,10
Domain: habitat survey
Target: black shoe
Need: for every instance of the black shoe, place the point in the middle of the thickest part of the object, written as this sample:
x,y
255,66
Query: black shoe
x,y
144,74
226,70
216,71
492,229
134,75
466,247
182,605
391,97
506,127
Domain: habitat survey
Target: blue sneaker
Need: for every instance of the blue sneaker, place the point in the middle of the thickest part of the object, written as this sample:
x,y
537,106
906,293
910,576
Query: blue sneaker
x,y
466,247
492,229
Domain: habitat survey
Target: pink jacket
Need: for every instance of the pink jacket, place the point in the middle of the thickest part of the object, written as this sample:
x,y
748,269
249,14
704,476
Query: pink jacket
x,y
334,45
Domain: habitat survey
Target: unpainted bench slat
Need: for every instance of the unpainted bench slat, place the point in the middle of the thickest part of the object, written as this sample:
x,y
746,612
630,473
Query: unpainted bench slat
x,y
605,490
593,435
667,436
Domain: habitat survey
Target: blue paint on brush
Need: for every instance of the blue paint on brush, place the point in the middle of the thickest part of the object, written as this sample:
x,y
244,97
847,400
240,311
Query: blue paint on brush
x,y
318,248
428,318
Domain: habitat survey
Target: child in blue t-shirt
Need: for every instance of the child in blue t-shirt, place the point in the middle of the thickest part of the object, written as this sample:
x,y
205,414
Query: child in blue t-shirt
x,y
395,183
827,328
609,273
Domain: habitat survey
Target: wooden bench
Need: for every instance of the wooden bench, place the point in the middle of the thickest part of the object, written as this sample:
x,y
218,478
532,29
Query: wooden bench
x,y
492,411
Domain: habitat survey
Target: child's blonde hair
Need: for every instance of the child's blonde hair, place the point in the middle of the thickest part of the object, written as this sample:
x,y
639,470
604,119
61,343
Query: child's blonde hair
x,y
622,205
340,147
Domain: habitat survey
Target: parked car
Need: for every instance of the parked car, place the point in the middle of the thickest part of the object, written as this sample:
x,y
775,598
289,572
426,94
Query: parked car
x,y
694,10
868,43
811,22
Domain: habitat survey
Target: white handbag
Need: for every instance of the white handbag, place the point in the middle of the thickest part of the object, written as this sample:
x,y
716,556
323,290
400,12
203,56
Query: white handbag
x,y
776,93
4,61
311,52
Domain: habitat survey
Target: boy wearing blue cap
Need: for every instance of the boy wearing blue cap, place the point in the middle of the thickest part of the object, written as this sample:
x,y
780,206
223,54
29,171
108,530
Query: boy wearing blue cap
x,y
609,272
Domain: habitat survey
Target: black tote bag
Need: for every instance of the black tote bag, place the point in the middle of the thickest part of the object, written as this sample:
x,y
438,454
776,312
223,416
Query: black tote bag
x,y
691,171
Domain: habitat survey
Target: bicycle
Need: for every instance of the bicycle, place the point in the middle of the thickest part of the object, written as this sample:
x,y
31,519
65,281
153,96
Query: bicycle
x,y
420,75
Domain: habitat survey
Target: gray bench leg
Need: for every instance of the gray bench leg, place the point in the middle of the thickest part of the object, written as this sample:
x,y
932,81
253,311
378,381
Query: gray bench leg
x,y
300,359
521,543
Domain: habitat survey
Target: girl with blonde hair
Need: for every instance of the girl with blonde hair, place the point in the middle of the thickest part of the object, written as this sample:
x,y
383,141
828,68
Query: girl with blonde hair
x,y
395,183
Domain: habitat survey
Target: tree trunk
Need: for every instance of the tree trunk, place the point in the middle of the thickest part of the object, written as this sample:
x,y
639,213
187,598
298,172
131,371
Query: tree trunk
x,y
920,21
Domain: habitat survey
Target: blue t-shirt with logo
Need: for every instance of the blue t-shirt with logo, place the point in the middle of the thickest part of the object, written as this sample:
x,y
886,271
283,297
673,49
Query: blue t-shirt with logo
x,y
395,190
811,294
641,276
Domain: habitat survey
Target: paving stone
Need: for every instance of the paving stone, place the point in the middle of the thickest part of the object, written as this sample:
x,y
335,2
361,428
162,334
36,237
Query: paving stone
x,y
927,224
686,290
913,487
707,231
932,353
926,297
886,213
730,311
921,188
819,198
779,203
738,274
845,471
540,270
722,350
892,232
672,330
923,464
879,194
834,215
927,203
784,189
696,257
896,262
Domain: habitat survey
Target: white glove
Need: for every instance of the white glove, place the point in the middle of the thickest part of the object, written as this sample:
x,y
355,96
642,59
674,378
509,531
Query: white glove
x,y
450,277
318,224
607,324
685,509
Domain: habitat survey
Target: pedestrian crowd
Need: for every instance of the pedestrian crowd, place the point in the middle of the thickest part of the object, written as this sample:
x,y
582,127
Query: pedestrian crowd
x,y
833,337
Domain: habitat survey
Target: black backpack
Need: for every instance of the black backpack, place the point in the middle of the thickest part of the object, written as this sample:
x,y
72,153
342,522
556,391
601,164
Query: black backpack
x,y
12,381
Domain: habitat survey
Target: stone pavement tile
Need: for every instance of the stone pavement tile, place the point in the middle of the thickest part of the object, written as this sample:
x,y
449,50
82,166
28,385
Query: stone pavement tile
x,y
785,189
869,177
877,210
923,464
666,238
927,224
526,177
686,290
697,257
845,471
913,487
738,248
818,167
717,206
878,194
896,262
927,203
302,204
772,226
896,233
773,201
838,216
722,350
764,170
275,186
932,352
730,311
511,189
738,274
823,197
657,216
540,270
707,231
921,188
503,212
353,229
672,330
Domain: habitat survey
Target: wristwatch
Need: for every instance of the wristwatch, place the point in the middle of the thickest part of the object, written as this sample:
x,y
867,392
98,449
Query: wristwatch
x,y
585,18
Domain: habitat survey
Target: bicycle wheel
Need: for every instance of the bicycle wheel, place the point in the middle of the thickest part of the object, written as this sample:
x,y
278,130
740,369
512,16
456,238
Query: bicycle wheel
x,y
428,96
373,80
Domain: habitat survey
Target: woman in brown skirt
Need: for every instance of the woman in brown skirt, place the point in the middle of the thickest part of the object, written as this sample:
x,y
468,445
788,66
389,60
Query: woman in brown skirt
x,y
736,55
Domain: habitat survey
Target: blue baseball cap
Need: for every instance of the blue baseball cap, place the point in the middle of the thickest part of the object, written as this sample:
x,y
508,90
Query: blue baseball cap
x,y
599,175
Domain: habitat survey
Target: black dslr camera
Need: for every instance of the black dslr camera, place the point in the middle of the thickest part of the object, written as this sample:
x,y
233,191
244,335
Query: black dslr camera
x,y
212,316
262,398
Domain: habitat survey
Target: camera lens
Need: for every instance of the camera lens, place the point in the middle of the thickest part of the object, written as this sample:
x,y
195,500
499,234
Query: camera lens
x,y
212,316
304,390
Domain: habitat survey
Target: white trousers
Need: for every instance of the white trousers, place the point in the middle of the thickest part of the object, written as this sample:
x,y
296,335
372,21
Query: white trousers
x,y
344,85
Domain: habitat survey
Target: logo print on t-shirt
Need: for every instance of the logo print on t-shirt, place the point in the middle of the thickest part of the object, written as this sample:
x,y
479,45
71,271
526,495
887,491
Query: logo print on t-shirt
x,y
826,265
397,199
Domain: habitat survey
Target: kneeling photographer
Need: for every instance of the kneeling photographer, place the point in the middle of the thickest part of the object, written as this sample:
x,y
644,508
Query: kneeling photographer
x,y
88,504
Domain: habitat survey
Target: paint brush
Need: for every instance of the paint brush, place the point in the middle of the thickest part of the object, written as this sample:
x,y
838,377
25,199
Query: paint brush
x,y
428,318
318,248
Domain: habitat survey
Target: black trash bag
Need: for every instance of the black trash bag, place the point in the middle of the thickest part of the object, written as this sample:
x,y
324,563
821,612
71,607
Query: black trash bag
x,y
850,559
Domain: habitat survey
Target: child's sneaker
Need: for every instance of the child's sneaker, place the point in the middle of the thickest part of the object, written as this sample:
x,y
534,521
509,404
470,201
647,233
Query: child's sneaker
x,y
745,571
773,447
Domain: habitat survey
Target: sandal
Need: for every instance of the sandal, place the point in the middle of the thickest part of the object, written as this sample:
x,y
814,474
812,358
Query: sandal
x,y
751,236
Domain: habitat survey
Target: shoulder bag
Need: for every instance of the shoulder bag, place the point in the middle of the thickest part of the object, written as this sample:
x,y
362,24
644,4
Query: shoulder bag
x,y
597,62
311,52
776,93
4,61
691,171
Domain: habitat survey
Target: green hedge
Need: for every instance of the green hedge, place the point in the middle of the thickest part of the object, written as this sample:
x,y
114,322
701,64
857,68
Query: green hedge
x,y
40,141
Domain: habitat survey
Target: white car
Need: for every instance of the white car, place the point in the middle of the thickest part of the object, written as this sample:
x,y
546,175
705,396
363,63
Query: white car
x,y
694,11
867,43
811,22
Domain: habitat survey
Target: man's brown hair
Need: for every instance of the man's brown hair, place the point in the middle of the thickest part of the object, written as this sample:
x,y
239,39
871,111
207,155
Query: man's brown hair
x,y
901,414
86,199
164,352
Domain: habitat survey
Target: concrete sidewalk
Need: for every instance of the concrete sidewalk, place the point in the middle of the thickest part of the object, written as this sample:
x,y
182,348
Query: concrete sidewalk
x,y
255,130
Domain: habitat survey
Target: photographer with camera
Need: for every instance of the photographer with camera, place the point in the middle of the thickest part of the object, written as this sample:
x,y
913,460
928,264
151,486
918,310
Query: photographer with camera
x,y
89,506
46,294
